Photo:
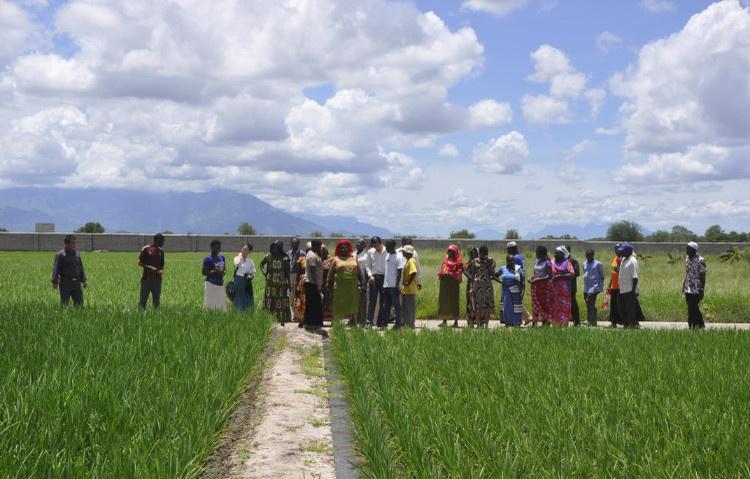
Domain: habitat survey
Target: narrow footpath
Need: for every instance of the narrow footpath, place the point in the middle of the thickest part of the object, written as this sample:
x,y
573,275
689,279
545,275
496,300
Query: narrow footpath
x,y
292,436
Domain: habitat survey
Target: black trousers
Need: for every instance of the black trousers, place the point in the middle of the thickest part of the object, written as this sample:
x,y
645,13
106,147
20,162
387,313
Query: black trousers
x,y
695,317
590,307
376,292
630,309
70,288
313,306
575,313
614,307
150,287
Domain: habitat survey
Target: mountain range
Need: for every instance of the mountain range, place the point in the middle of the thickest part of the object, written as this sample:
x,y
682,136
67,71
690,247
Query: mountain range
x,y
119,210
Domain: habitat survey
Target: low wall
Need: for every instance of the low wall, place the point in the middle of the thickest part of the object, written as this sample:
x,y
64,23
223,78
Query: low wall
x,y
200,243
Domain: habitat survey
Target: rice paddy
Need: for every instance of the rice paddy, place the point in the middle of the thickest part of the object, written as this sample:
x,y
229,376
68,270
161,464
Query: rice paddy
x,y
548,402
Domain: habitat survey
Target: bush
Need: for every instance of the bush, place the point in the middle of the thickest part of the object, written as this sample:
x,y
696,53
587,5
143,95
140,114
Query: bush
x,y
462,234
512,234
91,227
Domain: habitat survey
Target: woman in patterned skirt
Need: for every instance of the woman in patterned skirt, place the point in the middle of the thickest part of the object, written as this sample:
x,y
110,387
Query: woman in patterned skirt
x,y
276,269
511,276
470,314
481,273
343,280
562,272
541,287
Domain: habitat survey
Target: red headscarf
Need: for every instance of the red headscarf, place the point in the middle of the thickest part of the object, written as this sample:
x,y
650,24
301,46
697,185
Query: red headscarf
x,y
452,267
347,244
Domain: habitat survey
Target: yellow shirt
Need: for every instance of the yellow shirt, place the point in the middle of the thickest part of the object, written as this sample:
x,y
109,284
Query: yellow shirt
x,y
409,269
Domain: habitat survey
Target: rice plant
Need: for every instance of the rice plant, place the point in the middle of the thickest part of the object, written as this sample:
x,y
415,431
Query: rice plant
x,y
548,402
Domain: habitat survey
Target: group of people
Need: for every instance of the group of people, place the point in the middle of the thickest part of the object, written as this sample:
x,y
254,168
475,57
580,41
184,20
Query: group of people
x,y
376,285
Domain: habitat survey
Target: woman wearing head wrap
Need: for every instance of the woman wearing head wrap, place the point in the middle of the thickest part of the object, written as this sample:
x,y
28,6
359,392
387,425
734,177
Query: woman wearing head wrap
x,y
562,272
481,272
343,281
450,285
470,313
541,287
512,277
276,269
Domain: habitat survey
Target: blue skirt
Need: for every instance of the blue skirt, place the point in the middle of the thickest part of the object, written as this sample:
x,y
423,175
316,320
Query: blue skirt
x,y
512,305
242,299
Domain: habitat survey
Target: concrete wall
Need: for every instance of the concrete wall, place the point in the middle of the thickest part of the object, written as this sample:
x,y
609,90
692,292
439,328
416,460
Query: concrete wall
x,y
200,243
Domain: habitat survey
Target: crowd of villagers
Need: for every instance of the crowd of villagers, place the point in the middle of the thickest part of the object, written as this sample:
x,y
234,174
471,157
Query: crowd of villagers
x,y
375,283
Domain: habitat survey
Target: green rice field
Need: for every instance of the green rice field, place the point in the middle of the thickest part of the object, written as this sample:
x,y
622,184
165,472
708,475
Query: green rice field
x,y
548,402
106,390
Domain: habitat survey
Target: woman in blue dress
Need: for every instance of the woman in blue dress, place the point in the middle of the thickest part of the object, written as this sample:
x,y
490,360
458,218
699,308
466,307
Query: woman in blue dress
x,y
512,278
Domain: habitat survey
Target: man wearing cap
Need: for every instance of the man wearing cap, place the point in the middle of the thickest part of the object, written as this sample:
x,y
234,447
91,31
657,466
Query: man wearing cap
x,y
68,274
629,275
694,285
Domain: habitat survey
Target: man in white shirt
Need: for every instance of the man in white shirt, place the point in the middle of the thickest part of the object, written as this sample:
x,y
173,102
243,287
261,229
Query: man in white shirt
x,y
406,240
630,310
362,262
375,269
313,286
394,264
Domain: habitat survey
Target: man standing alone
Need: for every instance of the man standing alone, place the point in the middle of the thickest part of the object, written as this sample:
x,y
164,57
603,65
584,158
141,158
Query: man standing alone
x,y
68,274
694,285
151,260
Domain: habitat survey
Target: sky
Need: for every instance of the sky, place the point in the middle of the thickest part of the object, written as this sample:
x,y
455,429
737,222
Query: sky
x,y
419,116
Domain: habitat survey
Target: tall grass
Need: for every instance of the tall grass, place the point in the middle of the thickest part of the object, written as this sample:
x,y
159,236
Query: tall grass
x,y
107,390
548,403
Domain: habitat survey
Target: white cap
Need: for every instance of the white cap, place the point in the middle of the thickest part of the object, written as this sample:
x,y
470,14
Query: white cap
x,y
693,245
511,244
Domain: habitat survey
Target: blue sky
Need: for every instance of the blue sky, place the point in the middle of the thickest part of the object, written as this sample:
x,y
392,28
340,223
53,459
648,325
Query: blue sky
x,y
422,117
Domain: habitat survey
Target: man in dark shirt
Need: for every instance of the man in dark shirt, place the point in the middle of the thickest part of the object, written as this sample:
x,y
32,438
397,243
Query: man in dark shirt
x,y
68,274
151,260
575,315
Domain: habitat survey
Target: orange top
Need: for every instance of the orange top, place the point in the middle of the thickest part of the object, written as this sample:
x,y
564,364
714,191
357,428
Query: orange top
x,y
616,272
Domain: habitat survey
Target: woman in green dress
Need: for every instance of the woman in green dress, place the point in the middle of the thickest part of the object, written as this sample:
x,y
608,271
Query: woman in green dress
x,y
450,274
343,280
276,269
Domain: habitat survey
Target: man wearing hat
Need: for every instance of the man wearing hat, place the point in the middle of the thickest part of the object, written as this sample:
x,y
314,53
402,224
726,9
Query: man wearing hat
x,y
694,285
629,275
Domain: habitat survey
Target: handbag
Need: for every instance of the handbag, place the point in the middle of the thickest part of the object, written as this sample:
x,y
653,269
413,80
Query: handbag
x,y
231,286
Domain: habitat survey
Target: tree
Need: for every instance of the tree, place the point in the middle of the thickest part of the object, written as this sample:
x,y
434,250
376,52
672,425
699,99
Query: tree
x,y
246,229
91,227
714,234
660,236
167,232
566,236
3,230
681,234
512,234
316,234
624,231
462,234
335,234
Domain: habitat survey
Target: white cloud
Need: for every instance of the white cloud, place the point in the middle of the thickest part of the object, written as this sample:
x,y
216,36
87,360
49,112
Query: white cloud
x,y
579,148
490,113
545,110
656,6
165,101
607,41
16,30
566,84
687,100
503,155
495,7
449,150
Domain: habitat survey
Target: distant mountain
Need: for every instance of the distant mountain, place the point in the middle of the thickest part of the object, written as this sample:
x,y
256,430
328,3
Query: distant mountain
x,y
212,212
588,231
349,226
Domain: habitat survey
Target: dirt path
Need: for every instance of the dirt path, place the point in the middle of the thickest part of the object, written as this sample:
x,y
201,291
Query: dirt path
x,y
292,438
